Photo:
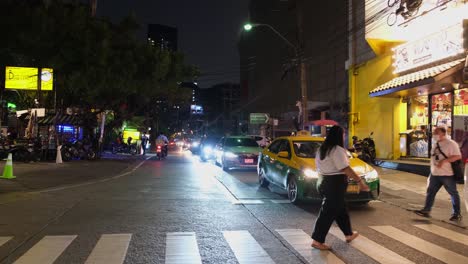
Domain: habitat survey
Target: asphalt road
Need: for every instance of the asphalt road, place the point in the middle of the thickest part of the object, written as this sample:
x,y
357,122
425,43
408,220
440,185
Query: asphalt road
x,y
181,210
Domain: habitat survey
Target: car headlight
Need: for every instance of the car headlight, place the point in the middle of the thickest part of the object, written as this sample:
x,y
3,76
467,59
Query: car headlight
x,y
195,144
371,176
208,150
309,173
230,155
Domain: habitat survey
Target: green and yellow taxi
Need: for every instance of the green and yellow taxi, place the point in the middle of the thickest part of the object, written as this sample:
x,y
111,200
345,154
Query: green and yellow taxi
x,y
289,163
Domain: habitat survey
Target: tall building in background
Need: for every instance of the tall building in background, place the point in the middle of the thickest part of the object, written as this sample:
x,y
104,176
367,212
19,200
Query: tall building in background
x,y
163,36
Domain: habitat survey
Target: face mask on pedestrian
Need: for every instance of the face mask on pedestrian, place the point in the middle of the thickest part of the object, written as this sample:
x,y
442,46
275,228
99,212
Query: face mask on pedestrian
x,y
436,137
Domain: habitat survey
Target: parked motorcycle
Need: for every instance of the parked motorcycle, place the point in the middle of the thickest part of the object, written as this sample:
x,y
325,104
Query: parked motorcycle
x,y
124,148
365,148
78,150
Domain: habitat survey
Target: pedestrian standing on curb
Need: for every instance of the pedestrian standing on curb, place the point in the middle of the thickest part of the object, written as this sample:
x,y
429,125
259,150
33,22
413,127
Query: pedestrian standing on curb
x,y
332,163
144,141
444,151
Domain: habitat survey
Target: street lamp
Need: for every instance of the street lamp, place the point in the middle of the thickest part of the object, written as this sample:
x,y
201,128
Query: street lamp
x,y
302,69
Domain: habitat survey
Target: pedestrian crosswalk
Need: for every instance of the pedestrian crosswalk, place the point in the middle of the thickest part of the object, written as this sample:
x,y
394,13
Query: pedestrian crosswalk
x,y
246,247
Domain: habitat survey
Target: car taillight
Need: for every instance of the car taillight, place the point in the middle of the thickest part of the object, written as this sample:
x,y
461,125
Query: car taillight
x,y
159,147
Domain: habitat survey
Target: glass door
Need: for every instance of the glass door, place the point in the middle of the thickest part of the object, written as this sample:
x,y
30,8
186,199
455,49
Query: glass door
x,y
441,111
460,120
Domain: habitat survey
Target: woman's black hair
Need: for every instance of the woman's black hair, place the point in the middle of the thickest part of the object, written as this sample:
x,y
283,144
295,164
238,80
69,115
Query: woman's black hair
x,y
334,138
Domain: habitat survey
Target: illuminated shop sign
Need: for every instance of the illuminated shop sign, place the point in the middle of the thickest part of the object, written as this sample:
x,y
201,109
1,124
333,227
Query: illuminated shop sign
x,y
25,78
441,45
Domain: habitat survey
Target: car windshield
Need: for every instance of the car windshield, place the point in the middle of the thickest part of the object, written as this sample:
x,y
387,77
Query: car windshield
x,y
306,149
240,142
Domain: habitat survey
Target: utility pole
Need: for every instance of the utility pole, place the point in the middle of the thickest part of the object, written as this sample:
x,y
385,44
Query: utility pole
x,y
302,65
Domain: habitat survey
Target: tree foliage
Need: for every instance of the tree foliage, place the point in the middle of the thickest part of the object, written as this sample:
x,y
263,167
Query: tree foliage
x,y
97,64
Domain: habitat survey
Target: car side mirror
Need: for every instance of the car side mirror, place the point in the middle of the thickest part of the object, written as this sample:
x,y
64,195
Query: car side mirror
x,y
283,154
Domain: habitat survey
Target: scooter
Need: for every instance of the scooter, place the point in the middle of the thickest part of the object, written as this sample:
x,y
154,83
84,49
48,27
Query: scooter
x,y
365,149
161,151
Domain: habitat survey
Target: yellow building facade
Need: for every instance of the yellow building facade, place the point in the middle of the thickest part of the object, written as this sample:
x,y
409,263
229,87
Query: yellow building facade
x,y
414,82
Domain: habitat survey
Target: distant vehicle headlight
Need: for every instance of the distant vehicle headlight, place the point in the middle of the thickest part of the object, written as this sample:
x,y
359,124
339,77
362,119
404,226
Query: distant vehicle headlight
x,y
371,176
207,150
309,173
195,144
230,155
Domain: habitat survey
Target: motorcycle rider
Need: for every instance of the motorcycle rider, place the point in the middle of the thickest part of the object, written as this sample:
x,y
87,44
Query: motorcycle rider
x,y
162,140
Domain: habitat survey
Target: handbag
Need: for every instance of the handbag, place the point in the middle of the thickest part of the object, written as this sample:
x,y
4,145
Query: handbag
x,y
456,166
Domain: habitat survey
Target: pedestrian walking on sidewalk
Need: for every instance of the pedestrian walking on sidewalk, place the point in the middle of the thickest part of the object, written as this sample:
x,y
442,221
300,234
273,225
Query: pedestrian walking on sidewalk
x,y
443,153
332,163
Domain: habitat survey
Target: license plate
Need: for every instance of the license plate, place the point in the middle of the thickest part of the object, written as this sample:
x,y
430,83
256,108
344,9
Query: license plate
x,y
352,189
249,161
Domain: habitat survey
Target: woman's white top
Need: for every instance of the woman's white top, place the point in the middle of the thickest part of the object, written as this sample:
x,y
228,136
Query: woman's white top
x,y
333,163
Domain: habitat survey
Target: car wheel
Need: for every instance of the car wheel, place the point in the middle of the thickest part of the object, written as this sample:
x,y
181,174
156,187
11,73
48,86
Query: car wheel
x,y
223,166
292,190
262,179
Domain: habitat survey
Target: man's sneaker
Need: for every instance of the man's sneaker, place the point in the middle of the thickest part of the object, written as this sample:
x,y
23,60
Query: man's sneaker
x,y
456,217
422,213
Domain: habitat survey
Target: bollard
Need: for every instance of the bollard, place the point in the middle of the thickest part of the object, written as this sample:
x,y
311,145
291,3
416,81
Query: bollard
x,y
465,188
58,158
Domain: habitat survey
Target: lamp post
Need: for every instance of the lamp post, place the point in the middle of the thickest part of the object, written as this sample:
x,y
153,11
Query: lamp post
x,y
302,67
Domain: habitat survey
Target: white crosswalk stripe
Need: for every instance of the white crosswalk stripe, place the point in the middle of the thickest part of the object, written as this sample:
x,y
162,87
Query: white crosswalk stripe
x,y
247,202
281,201
182,248
447,233
428,248
246,248
301,242
4,240
111,248
47,250
372,249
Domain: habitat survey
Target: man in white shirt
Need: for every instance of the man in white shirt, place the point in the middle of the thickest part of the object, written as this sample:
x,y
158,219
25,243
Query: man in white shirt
x,y
444,151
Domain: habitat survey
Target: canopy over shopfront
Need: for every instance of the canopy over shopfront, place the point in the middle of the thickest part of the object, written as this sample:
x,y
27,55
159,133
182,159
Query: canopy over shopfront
x,y
436,79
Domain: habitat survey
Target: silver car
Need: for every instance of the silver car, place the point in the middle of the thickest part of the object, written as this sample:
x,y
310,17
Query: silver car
x,y
237,152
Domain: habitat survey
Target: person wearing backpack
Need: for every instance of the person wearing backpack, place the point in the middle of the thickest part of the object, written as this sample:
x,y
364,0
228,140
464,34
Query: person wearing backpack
x,y
444,152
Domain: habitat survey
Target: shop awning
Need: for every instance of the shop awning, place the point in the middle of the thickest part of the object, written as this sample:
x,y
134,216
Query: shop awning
x,y
61,120
399,86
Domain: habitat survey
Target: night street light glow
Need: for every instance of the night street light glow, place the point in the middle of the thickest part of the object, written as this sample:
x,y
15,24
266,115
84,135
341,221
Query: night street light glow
x,y
248,27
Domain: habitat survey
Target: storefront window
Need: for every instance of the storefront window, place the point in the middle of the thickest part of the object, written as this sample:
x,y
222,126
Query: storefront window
x,y
418,112
442,111
460,120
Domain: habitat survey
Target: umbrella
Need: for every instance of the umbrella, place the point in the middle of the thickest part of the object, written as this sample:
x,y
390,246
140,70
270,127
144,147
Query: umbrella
x,y
323,122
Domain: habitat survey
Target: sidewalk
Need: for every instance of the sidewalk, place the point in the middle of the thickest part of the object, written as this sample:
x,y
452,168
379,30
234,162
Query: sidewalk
x,y
408,191
43,175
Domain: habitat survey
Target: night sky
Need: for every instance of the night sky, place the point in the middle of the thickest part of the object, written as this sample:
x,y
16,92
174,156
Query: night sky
x,y
208,30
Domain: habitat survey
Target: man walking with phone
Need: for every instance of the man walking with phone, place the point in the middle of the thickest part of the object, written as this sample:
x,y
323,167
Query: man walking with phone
x,y
443,153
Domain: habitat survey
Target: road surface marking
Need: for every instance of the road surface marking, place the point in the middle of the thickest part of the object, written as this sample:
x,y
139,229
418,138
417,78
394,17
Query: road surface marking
x,y
246,248
182,248
372,249
281,201
428,248
110,248
447,233
229,196
3,240
46,251
301,242
248,202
